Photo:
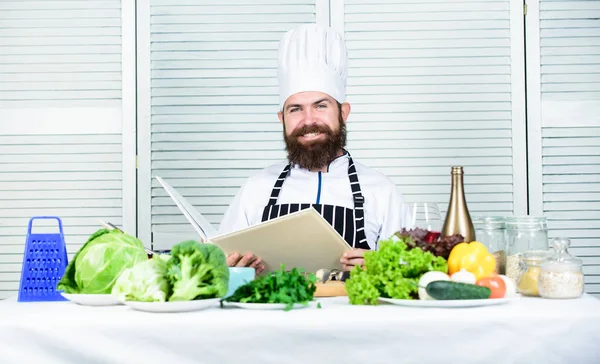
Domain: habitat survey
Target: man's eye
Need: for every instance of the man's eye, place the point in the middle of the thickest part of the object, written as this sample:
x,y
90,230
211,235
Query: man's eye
x,y
321,106
294,109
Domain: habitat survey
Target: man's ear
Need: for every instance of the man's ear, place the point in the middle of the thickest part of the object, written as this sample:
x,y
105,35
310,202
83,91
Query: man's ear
x,y
280,116
345,111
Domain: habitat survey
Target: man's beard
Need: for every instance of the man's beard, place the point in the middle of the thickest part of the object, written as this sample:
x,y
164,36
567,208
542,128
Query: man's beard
x,y
315,155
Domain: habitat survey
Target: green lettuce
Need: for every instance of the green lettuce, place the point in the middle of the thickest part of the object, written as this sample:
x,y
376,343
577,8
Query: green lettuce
x,y
96,266
393,271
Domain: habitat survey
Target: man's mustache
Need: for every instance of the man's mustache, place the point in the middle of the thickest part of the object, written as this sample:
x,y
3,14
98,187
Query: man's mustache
x,y
314,128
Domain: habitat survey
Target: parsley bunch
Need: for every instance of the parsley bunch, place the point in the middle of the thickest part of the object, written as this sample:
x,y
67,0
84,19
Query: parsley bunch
x,y
289,288
393,271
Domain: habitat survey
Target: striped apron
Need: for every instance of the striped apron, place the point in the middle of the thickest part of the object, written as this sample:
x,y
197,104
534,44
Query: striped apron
x,y
349,223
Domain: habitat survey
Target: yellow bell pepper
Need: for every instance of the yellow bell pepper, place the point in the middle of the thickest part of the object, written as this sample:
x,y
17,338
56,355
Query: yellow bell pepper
x,y
472,257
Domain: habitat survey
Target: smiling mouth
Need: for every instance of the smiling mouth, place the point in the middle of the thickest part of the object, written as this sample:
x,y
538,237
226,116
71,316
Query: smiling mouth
x,y
311,135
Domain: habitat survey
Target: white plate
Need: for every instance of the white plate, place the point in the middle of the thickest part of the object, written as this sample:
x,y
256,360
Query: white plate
x,y
177,306
447,303
92,299
268,306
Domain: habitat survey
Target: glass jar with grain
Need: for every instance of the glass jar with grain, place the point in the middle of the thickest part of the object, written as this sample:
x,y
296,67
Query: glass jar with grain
x,y
491,232
562,276
524,234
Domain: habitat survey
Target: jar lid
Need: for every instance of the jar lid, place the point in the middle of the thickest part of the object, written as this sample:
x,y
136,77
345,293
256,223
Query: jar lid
x,y
562,261
489,222
527,222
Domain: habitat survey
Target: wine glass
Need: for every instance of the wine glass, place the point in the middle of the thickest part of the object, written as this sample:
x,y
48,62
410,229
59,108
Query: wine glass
x,y
426,216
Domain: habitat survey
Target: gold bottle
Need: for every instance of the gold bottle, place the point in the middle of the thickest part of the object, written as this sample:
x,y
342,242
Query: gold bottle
x,y
458,219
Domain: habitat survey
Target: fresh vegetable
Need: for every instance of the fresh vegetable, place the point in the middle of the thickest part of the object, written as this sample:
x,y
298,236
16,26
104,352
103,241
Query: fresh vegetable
x,y
144,282
432,242
192,271
511,287
197,271
463,276
495,284
428,278
448,290
98,263
472,257
393,270
361,288
289,288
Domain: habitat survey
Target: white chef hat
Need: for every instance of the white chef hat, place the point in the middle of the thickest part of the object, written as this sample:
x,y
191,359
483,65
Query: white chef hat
x,y
312,58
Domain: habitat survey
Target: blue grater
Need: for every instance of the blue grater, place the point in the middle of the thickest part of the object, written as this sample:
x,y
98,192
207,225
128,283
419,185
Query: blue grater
x,y
44,263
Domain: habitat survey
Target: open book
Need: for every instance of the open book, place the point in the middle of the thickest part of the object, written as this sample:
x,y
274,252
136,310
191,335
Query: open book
x,y
303,239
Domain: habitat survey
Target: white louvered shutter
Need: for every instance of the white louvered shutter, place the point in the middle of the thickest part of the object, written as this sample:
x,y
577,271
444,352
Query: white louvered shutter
x,y
60,122
214,102
569,179
431,86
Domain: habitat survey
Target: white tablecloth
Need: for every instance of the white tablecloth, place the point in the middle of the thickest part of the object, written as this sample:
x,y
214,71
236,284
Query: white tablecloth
x,y
528,331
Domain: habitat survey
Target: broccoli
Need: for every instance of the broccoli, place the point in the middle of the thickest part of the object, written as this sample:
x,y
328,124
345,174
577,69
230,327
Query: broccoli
x,y
197,271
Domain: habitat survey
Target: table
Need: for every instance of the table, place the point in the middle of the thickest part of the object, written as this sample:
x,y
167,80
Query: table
x,y
528,330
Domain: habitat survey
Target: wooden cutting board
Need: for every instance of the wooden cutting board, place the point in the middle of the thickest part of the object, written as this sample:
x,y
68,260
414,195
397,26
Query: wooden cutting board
x,y
331,289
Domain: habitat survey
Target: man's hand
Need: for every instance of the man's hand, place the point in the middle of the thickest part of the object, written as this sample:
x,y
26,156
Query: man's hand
x,y
353,258
247,260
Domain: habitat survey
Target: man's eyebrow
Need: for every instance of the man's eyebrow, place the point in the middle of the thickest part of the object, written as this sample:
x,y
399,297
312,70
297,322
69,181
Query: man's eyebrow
x,y
291,106
321,100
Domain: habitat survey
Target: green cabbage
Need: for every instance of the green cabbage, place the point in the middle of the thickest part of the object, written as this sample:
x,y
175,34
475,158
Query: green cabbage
x,y
145,282
100,261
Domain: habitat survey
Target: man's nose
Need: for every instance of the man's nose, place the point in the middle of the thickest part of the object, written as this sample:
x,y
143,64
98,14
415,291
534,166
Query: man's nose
x,y
308,116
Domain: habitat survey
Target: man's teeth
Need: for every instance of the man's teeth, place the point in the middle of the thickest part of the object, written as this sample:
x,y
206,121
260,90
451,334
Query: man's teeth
x,y
311,135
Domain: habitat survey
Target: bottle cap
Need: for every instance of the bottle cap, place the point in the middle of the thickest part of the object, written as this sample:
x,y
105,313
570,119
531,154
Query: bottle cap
x,y
457,170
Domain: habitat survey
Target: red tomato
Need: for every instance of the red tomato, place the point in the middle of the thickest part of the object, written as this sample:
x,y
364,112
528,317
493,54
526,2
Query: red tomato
x,y
495,283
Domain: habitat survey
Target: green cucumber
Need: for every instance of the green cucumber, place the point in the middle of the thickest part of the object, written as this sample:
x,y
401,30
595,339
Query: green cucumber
x,y
449,290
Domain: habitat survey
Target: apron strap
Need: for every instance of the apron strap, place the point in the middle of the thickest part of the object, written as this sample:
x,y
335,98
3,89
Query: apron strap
x,y
278,184
359,200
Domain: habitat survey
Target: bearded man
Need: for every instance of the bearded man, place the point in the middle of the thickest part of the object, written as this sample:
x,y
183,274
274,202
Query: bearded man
x,y
363,205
